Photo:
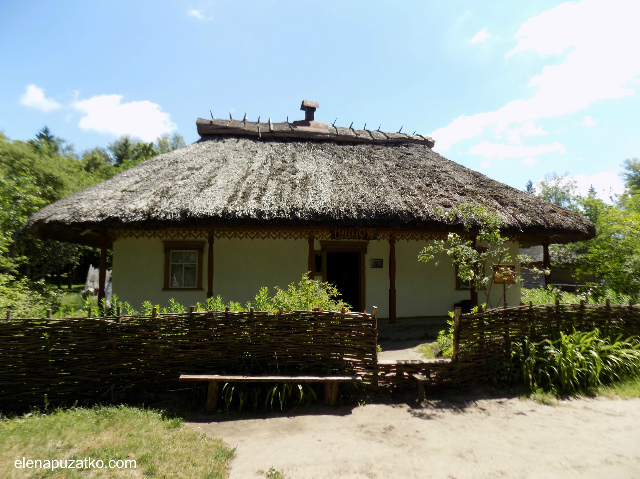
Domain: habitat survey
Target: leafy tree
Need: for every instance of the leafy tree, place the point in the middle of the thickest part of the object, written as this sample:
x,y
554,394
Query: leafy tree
x,y
559,190
479,266
631,175
166,143
529,187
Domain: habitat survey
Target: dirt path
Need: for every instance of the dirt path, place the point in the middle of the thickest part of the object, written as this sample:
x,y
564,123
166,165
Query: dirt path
x,y
484,438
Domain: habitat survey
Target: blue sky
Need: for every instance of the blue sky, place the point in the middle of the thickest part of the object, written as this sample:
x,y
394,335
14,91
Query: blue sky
x,y
515,90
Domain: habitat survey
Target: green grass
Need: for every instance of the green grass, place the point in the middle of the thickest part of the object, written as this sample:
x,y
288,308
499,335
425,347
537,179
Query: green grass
x,y
550,294
624,389
161,447
429,350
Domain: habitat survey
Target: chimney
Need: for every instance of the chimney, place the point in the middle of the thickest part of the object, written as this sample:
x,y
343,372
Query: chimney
x,y
309,124
309,108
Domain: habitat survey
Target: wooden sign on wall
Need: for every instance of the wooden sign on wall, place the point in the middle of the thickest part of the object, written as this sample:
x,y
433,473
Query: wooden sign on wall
x,y
354,233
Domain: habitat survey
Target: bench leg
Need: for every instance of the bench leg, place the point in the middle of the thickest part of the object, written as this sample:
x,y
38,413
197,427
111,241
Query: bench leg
x,y
331,393
420,391
212,396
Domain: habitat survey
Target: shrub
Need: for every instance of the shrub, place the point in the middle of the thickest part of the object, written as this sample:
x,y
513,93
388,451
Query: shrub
x,y
573,363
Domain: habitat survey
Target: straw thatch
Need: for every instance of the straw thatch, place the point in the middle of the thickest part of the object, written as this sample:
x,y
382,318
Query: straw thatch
x,y
244,174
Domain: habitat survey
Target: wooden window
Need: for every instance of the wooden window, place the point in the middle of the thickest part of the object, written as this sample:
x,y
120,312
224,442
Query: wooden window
x,y
183,265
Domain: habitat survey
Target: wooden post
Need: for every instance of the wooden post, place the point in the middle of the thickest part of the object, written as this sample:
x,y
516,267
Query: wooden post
x,y
192,309
154,312
118,314
456,333
210,266
375,323
48,314
546,262
89,312
8,315
212,396
102,272
311,261
392,280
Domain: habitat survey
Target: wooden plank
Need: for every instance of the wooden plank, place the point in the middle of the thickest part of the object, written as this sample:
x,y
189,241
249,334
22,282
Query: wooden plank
x,y
264,379
212,396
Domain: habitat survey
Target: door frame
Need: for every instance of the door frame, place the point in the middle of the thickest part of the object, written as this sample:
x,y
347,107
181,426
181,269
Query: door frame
x,y
347,247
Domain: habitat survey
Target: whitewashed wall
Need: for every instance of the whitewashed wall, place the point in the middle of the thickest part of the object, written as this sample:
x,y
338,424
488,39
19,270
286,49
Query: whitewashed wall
x,y
241,267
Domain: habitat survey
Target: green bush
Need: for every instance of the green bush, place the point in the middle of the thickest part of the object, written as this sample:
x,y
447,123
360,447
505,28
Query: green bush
x,y
25,299
580,362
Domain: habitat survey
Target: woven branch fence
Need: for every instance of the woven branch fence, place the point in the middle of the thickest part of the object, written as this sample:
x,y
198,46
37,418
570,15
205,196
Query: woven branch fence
x,y
485,337
104,359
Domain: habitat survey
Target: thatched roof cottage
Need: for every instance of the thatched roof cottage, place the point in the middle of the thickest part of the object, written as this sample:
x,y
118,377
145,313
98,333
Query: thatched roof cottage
x,y
256,204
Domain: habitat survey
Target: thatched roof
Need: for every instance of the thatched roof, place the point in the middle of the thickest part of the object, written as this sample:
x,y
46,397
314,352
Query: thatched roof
x,y
279,174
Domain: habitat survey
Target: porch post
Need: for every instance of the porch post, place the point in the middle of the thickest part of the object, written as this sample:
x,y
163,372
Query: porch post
x,y
102,272
392,280
473,297
311,262
210,266
546,262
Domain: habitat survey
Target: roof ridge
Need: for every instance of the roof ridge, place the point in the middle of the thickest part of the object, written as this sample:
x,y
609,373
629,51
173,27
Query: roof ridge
x,y
286,129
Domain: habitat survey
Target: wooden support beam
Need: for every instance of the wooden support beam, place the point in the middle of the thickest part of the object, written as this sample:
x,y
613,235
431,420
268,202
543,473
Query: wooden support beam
x,y
546,262
210,266
102,272
456,333
392,280
311,261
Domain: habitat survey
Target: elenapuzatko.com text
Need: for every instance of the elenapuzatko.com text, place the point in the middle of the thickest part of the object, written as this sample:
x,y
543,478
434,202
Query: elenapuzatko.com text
x,y
86,463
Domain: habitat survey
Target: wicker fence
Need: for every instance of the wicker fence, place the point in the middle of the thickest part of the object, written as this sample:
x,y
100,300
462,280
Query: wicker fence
x,y
479,338
107,359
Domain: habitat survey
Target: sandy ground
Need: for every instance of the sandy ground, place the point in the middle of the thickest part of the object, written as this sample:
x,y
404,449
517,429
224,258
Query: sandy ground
x,y
451,438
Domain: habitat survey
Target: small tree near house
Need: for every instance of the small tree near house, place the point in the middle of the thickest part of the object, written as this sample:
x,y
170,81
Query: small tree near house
x,y
481,254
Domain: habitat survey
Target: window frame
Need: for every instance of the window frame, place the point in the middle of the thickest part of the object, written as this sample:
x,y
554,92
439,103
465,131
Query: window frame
x,y
183,246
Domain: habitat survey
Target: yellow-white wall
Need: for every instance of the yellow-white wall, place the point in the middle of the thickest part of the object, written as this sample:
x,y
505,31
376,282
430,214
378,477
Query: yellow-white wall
x,y
241,267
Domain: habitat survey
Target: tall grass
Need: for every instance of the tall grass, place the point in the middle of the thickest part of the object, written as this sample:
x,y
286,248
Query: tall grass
x,y
581,362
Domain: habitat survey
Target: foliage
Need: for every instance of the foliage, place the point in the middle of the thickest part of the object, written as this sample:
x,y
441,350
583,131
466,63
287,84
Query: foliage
x,y
591,295
159,445
265,396
476,264
559,190
580,362
25,299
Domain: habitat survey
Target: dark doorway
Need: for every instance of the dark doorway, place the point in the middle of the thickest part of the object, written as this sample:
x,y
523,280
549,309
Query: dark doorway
x,y
343,270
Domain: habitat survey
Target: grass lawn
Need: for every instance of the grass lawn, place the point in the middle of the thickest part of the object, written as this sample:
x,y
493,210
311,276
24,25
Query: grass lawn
x,y
161,447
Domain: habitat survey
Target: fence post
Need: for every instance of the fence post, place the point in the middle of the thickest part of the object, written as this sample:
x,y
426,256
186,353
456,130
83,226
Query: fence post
x,y
48,314
8,315
118,314
89,312
154,312
456,333
192,309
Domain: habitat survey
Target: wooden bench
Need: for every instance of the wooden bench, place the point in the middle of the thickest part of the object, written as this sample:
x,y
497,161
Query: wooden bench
x,y
330,384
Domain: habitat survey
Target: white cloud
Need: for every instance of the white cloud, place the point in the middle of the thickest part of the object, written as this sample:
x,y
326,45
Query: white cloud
x,y
588,121
481,36
199,14
529,161
606,184
107,114
485,164
33,97
528,128
601,63
500,151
